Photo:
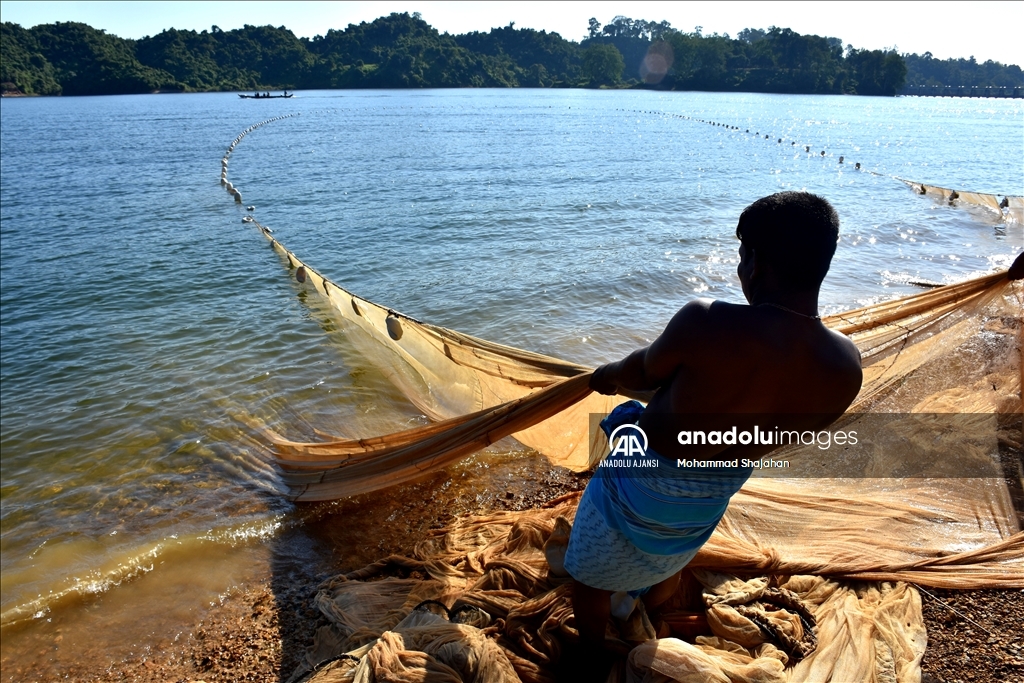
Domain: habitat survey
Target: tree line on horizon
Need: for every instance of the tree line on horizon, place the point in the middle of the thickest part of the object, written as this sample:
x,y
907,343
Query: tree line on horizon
x,y
403,51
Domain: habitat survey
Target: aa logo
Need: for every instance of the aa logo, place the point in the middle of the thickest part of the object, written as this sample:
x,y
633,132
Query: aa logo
x,y
628,440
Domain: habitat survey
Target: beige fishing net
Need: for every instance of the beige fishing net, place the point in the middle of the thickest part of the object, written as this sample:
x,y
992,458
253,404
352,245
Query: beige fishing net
x,y
481,602
1010,208
842,551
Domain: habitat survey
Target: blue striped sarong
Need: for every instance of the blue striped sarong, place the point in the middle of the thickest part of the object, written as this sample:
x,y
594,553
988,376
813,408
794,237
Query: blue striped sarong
x,y
636,528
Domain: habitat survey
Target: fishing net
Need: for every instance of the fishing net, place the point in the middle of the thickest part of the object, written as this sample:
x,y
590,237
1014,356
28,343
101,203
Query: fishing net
x,y
953,349
804,579
477,391
1013,206
480,392
481,601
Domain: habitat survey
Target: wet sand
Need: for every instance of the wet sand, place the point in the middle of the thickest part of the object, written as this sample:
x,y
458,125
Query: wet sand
x,y
260,632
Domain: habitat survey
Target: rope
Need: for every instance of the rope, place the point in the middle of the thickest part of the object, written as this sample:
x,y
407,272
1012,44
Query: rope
x,y
1008,207
232,190
990,201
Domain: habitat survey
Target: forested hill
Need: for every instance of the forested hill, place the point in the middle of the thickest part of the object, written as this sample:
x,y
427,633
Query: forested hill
x,y
403,51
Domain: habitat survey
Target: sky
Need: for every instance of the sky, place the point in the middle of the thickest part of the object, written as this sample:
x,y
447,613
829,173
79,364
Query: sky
x,y
946,29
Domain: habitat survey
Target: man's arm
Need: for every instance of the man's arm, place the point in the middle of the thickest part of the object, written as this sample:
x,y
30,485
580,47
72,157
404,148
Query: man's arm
x,y
649,368
1016,271
627,373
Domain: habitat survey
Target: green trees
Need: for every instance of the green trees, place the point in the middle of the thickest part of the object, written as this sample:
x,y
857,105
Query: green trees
x,y
778,60
403,51
79,59
23,68
805,63
193,59
926,70
699,63
602,64
279,58
538,58
877,72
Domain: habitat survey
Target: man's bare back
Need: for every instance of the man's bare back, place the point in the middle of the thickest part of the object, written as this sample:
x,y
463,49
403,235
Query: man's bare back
x,y
707,366
715,365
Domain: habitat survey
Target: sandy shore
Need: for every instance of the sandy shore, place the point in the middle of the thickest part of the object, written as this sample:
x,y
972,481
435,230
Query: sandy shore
x,y
241,641
261,632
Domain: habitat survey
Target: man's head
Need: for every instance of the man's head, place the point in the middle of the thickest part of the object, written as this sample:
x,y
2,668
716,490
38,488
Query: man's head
x,y
792,233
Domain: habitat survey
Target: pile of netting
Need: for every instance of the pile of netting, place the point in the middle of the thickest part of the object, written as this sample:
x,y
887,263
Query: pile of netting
x,y
485,601
805,579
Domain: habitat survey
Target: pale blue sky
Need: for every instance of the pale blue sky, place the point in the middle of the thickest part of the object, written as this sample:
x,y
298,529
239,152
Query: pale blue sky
x,y
947,29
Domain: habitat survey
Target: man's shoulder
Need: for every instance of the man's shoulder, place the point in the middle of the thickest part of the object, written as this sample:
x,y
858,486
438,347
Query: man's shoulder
x,y
720,326
712,314
845,343
702,324
692,319
710,310
847,357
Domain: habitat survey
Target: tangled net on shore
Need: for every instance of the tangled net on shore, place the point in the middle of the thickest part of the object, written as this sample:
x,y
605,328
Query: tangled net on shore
x,y
804,579
482,601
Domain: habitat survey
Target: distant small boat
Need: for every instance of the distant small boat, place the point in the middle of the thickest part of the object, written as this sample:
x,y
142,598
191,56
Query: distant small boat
x,y
268,96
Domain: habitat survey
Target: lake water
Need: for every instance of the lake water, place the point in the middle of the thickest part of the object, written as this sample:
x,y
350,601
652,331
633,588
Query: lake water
x,y
145,327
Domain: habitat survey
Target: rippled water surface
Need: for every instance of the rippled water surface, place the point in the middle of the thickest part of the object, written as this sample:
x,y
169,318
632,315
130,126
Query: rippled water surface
x,y
147,332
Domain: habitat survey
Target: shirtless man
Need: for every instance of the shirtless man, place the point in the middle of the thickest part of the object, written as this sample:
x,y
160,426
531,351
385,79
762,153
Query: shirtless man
x,y
714,362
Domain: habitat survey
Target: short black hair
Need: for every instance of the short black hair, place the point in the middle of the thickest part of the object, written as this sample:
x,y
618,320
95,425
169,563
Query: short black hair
x,y
796,232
